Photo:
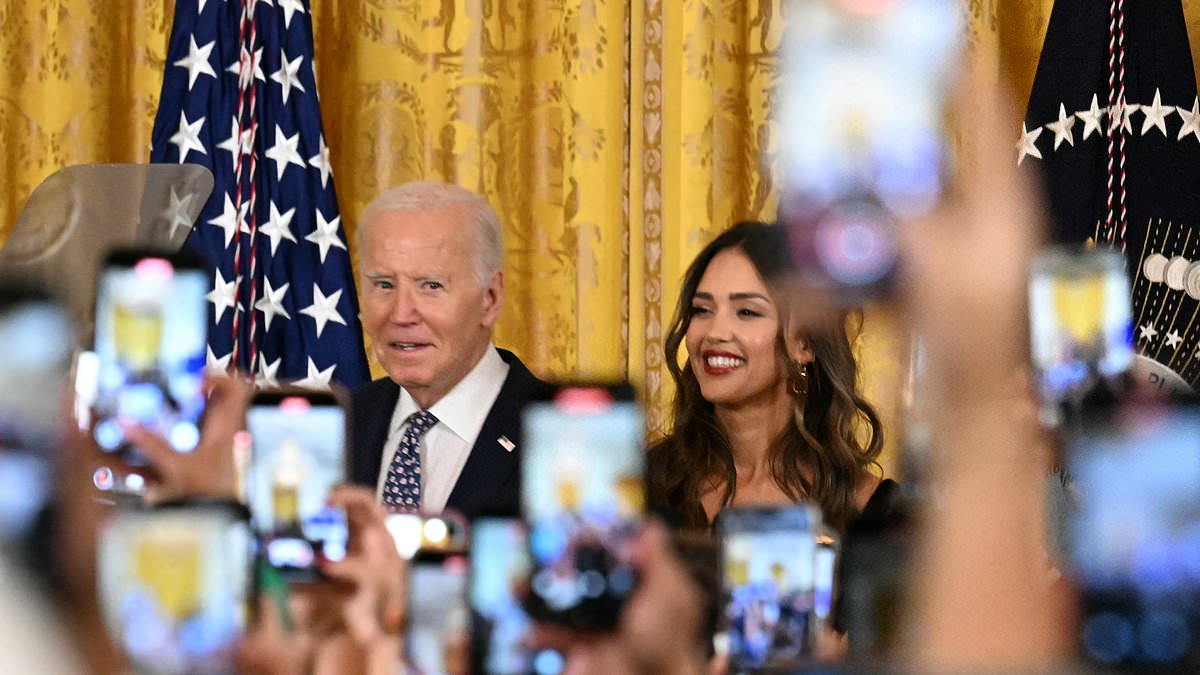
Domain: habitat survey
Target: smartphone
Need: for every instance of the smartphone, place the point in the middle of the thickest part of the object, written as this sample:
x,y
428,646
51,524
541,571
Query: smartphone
x,y
584,500
175,586
1134,540
768,558
36,338
297,456
438,625
1080,321
150,345
863,143
501,629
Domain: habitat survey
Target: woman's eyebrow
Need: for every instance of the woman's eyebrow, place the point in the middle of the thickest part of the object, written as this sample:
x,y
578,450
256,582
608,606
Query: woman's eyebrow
x,y
749,296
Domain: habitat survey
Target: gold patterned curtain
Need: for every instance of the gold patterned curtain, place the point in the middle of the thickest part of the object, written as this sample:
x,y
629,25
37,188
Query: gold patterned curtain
x,y
614,137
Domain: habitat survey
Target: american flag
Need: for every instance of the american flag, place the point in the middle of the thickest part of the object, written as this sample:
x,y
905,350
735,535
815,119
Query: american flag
x,y
239,97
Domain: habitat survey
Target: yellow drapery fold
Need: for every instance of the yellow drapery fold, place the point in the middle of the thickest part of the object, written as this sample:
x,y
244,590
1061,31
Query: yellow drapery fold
x,y
614,137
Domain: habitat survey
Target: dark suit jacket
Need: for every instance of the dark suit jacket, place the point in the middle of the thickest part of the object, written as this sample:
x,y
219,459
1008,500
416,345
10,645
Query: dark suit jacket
x,y
490,482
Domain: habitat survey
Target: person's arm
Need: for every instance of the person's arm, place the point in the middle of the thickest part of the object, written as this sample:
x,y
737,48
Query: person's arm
x,y
980,593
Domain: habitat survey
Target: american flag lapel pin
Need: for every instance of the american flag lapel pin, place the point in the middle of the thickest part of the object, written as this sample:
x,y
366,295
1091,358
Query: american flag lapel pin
x,y
506,444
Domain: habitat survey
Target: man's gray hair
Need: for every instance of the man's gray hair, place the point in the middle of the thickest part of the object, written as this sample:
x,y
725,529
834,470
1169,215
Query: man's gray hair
x,y
429,195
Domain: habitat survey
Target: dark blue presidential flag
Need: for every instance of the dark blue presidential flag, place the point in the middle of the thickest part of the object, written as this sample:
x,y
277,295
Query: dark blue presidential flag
x,y
239,97
1113,130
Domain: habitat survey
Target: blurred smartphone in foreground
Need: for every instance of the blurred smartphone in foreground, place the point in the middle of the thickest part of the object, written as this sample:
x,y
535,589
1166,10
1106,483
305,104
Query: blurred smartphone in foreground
x,y
584,501
769,558
501,638
150,346
437,636
175,585
1134,542
36,339
297,457
1081,325
863,144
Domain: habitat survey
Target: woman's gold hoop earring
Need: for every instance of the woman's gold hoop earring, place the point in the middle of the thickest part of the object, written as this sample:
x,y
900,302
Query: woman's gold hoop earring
x,y
799,383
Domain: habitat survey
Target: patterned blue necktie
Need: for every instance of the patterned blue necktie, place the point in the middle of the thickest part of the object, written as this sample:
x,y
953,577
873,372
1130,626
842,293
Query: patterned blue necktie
x,y
403,486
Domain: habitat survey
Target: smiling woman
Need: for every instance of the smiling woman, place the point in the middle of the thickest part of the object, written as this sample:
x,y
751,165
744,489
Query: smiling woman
x,y
767,409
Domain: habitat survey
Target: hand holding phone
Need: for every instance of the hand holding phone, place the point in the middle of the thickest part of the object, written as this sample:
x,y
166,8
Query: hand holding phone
x,y
209,469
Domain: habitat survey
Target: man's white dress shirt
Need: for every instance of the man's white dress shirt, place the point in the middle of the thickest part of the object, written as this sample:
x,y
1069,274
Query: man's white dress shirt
x,y
446,446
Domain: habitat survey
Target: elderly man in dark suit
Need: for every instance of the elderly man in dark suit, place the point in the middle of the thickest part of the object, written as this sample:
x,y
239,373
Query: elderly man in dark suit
x,y
441,430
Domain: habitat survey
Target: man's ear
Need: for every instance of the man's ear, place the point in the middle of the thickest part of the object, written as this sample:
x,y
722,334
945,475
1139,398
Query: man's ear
x,y
493,299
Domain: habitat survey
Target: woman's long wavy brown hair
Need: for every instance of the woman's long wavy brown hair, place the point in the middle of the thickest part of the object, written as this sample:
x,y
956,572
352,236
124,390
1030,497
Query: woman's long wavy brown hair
x,y
835,436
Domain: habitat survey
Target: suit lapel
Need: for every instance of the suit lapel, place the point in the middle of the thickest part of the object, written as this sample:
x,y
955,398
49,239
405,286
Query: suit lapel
x,y
490,479
373,406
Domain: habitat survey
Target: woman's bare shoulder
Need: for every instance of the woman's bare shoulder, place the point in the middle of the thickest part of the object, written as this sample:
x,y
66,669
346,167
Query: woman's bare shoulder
x,y
866,489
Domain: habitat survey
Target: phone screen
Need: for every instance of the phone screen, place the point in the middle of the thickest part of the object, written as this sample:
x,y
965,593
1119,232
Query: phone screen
x,y
1135,538
862,102
36,339
769,558
439,621
175,585
151,339
501,641
584,500
297,457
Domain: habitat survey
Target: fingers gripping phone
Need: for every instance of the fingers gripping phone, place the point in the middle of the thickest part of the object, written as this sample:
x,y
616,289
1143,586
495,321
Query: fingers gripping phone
x,y
297,457
150,345
583,498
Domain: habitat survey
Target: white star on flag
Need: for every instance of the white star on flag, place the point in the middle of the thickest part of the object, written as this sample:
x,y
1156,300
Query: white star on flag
x,y
268,373
177,211
1173,339
284,152
1062,128
1091,118
271,303
232,146
324,309
254,67
187,138
223,295
1028,144
1156,115
316,379
326,236
196,61
216,364
279,227
229,219
288,75
289,8
321,161
1191,120
1122,113
1147,331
